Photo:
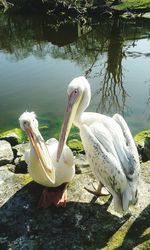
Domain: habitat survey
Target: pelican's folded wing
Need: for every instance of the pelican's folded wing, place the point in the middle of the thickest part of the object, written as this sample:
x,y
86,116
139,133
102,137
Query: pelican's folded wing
x,y
133,153
102,157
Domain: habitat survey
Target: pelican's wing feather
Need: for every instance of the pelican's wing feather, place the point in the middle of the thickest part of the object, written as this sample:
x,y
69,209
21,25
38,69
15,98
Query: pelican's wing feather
x,y
132,150
127,134
106,165
102,157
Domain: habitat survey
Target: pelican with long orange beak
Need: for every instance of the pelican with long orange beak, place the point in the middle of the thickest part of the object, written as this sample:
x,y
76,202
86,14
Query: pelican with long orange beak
x,y
108,144
43,166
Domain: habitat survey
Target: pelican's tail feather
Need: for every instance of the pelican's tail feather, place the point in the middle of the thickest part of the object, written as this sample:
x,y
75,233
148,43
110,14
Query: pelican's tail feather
x,y
129,196
117,203
126,198
121,202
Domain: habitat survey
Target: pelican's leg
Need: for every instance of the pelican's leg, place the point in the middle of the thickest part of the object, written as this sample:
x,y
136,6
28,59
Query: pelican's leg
x,y
56,197
62,201
100,191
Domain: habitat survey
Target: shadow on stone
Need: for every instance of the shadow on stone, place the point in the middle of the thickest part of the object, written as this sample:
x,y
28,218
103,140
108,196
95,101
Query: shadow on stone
x,y
78,226
139,232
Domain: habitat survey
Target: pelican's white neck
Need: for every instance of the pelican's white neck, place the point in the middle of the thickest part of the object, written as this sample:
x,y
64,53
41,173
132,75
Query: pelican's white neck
x,y
83,104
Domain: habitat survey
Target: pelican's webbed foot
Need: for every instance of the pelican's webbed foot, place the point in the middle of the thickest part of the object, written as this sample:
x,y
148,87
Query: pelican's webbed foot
x,y
53,196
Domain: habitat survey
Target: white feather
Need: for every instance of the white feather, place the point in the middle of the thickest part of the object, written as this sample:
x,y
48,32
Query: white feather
x,y
109,147
63,170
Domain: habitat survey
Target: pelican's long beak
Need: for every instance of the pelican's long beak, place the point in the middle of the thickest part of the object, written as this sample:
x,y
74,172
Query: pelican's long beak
x,y
67,123
42,153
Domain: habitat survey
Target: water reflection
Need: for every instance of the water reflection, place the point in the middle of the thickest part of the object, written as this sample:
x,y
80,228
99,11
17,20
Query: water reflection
x,y
112,94
99,51
22,36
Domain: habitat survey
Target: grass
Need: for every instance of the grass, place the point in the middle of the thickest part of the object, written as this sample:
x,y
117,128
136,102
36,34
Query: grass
x,y
132,4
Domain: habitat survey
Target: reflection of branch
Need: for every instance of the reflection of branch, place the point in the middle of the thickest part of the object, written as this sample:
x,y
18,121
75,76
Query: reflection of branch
x,y
6,4
137,54
112,88
89,70
111,91
98,50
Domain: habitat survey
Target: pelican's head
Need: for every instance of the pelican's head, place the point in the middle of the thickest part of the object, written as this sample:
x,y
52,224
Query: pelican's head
x,y
27,121
79,95
29,124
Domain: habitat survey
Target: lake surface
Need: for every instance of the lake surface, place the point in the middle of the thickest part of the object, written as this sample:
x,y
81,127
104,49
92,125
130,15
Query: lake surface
x,y
40,56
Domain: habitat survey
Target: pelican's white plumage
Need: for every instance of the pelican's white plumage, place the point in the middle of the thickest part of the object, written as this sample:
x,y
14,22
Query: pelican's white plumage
x,y
108,143
41,157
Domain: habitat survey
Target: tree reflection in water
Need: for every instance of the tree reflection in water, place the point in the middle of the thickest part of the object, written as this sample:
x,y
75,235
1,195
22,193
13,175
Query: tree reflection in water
x,y
98,50
112,94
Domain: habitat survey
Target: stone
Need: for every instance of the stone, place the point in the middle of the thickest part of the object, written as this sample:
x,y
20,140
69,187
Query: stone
x,y
147,147
81,163
6,153
142,141
11,167
81,159
13,136
20,149
21,165
10,183
85,223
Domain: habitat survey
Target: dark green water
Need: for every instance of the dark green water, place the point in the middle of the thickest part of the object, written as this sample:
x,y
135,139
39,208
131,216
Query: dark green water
x,y
40,56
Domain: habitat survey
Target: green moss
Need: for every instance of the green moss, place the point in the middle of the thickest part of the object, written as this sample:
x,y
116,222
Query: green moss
x,y
25,179
49,126
74,133
21,137
117,239
143,246
132,4
139,138
75,145
147,231
43,127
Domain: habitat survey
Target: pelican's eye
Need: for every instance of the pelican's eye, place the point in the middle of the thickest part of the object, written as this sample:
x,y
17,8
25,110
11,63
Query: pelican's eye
x,y
73,96
75,93
26,124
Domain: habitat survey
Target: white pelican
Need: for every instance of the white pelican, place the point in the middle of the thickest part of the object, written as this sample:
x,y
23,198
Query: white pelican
x,y
43,166
108,144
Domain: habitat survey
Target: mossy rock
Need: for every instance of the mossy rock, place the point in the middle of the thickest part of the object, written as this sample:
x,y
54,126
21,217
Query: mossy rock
x,y
75,145
140,137
13,136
